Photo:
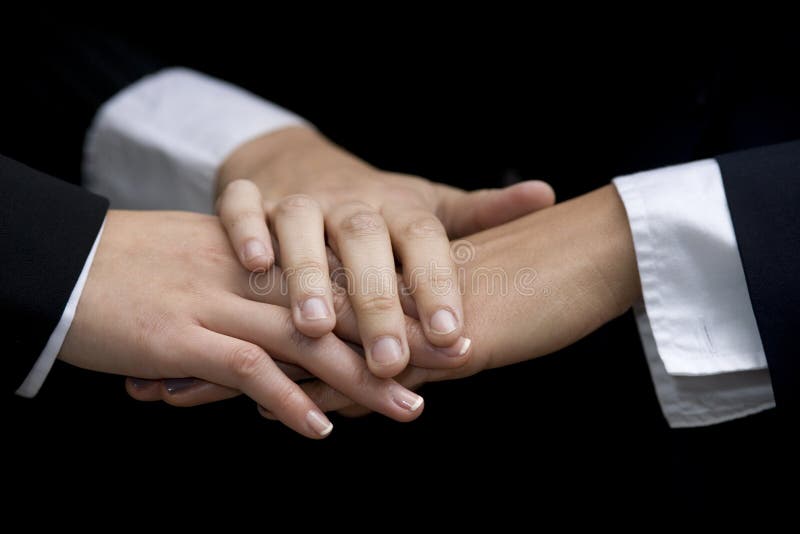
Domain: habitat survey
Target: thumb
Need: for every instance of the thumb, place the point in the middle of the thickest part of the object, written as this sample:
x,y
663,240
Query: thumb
x,y
464,213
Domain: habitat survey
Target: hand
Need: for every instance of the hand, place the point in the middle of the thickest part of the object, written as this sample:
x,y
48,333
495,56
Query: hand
x,y
268,286
313,188
568,270
531,287
165,297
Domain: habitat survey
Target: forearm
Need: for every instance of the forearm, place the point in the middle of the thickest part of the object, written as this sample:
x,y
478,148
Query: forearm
x,y
572,269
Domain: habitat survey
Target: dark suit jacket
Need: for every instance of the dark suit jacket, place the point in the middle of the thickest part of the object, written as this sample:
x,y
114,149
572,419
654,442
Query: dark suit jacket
x,y
47,228
763,191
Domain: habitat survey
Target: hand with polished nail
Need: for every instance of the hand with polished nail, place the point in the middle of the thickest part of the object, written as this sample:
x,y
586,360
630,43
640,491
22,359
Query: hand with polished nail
x,y
166,298
309,190
193,391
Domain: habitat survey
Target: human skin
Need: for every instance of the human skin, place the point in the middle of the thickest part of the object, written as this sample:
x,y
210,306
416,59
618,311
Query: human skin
x,y
570,269
582,262
308,189
166,297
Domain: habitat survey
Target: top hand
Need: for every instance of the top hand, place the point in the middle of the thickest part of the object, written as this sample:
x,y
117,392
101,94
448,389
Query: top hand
x,y
531,287
311,188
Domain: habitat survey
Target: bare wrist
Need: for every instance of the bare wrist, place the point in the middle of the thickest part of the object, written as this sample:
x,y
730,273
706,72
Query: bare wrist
x,y
612,244
249,158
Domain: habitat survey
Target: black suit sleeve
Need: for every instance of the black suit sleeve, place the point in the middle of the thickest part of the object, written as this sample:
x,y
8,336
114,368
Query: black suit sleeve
x,y
763,191
47,229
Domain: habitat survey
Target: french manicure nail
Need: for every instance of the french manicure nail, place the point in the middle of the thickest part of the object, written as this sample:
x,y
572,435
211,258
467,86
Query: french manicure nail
x,y
406,399
254,249
176,385
314,309
386,351
319,423
459,348
443,322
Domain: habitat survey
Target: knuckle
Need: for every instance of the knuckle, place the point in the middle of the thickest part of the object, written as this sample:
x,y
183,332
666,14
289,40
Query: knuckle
x,y
293,203
245,361
376,304
233,219
361,378
426,227
363,223
240,186
286,396
302,343
308,267
307,278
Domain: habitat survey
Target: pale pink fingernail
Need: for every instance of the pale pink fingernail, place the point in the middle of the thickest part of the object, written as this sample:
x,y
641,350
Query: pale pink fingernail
x,y
387,351
406,399
319,423
314,309
443,322
253,249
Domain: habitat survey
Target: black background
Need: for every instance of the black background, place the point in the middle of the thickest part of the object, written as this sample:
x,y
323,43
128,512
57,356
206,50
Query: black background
x,y
475,103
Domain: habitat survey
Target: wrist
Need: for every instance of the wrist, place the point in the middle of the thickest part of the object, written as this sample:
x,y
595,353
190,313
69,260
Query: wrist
x,y
610,243
287,154
260,152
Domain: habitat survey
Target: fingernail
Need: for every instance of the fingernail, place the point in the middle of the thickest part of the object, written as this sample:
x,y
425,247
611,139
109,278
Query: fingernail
x,y
459,348
319,423
254,249
386,351
406,399
314,308
443,322
142,383
176,385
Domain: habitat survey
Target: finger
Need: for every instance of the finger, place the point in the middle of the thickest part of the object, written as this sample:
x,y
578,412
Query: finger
x,y
429,272
242,214
193,391
329,399
362,242
265,286
467,213
354,411
351,411
423,352
327,357
186,392
143,389
244,366
300,229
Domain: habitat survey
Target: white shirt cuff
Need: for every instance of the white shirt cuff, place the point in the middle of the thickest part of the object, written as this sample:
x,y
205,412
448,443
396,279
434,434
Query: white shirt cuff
x,y
697,322
36,377
158,143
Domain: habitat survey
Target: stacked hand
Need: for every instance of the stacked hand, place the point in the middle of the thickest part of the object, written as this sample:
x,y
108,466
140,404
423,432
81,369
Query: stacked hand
x,y
176,305
530,287
308,188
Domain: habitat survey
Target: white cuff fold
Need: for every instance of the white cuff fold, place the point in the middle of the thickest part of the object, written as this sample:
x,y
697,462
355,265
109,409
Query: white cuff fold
x,y
158,143
697,323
